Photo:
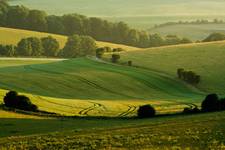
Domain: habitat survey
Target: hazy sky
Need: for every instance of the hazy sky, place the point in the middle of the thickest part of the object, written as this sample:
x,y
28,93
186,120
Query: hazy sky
x,y
128,7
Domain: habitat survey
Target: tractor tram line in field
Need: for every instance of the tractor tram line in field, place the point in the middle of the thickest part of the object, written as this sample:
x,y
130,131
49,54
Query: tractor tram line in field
x,y
91,108
131,110
59,104
82,79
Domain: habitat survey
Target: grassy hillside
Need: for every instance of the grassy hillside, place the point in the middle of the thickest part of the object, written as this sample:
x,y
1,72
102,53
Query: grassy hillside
x,y
84,79
13,36
86,87
206,59
141,14
191,31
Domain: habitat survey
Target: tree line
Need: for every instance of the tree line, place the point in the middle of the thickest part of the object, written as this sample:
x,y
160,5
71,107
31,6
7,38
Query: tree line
x,y
76,46
196,22
70,24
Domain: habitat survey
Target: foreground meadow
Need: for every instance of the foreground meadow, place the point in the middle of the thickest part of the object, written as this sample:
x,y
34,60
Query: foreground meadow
x,y
203,131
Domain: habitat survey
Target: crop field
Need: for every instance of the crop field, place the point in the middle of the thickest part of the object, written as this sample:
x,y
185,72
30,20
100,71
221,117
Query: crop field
x,y
13,36
206,59
191,31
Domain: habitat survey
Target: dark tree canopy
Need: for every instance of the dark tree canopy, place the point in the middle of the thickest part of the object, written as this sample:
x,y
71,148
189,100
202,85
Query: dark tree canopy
x,y
50,46
17,17
24,48
36,46
211,103
13,100
78,46
36,20
188,76
7,50
146,111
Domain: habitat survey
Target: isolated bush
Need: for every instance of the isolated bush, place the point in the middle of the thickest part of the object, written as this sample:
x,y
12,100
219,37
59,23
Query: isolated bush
x,y
130,63
146,111
115,58
13,100
211,103
180,73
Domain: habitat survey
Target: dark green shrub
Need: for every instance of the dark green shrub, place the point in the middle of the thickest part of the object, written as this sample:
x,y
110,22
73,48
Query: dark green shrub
x,y
211,103
180,72
129,63
146,111
13,100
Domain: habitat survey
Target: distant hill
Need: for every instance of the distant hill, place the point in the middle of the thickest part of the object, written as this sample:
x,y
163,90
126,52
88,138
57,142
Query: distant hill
x,y
191,31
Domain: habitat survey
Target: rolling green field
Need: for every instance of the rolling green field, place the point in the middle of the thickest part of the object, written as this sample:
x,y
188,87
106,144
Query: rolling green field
x,y
88,87
191,31
85,78
206,59
13,36
139,14
85,87
88,103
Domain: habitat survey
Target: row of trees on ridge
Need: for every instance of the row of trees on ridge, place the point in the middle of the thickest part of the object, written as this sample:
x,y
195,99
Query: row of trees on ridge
x,y
70,24
76,46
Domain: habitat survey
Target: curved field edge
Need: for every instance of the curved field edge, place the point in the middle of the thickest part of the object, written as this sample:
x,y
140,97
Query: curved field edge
x,y
91,108
206,59
13,36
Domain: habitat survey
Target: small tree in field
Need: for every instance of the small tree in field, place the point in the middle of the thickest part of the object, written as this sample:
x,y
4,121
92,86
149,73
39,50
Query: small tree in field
x,y
129,63
13,100
115,58
146,111
211,103
180,73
